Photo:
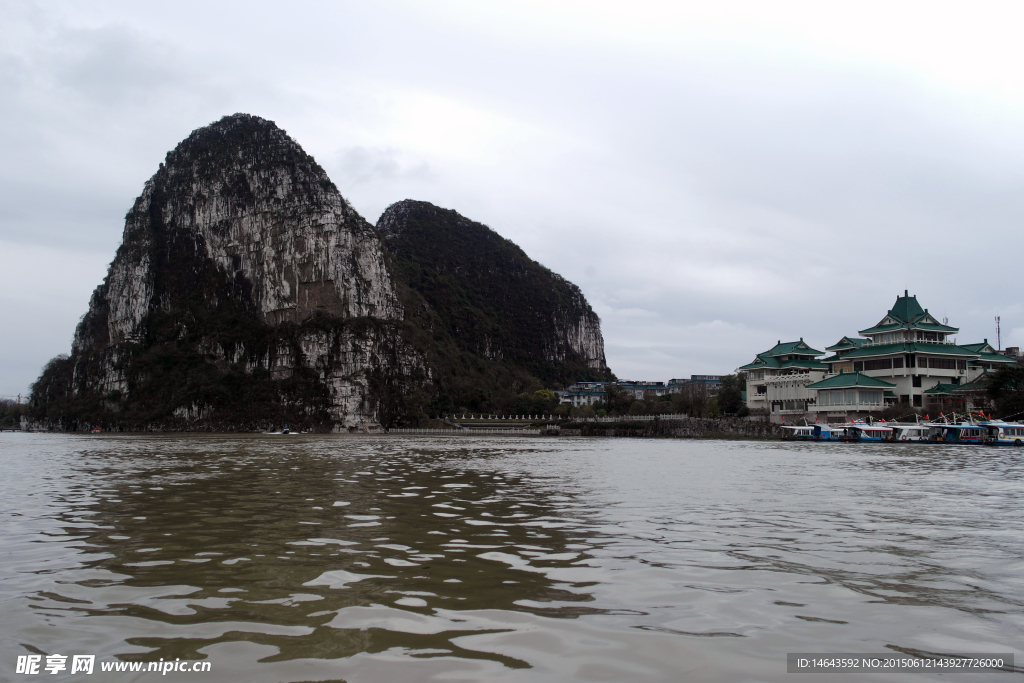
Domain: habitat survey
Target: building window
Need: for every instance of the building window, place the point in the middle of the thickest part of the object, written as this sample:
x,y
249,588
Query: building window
x,y
880,364
916,380
871,397
858,366
943,363
910,362
917,401
851,396
897,362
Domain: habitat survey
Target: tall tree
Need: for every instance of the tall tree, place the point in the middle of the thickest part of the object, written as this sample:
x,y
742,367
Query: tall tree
x,y
1006,389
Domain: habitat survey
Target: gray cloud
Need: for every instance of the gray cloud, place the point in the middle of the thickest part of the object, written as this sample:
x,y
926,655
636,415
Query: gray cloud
x,y
360,165
712,184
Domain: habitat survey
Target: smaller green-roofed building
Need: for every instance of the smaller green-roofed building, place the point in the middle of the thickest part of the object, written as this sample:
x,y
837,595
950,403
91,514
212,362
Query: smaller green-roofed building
x,y
776,378
988,358
852,392
960,398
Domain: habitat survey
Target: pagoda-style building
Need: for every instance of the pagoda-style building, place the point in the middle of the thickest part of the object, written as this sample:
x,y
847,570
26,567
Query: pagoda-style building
x,y
908,357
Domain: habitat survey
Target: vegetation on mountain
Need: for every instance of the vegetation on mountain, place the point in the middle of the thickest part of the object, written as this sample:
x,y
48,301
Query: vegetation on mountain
x,y
496,327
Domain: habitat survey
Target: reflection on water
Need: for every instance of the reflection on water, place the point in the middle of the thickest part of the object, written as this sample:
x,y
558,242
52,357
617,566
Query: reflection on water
x,y
369,558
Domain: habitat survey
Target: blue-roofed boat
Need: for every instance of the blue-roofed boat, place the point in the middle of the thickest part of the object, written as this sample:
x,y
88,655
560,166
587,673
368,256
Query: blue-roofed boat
x,y
826,433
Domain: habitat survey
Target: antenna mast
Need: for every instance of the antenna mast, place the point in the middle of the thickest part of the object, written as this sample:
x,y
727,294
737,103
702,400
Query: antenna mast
x,y
999,339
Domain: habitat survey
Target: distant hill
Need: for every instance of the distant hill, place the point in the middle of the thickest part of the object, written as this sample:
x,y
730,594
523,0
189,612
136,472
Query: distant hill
x,y
247,293
501,323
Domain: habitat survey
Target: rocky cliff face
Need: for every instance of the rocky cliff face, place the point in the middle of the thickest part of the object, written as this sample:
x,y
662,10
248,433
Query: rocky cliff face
x,y
480,293
247,293
241,255
266,215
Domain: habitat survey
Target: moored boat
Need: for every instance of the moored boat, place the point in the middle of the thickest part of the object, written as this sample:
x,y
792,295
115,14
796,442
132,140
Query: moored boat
x,y
999,433
825,433
968,433
865,433
794,433
912,433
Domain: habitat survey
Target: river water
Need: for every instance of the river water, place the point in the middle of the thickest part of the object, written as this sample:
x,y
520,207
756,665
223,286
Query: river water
x,y
370,558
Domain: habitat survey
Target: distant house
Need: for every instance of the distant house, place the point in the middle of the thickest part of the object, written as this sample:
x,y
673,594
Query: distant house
x,y
712,383
642,389
584,394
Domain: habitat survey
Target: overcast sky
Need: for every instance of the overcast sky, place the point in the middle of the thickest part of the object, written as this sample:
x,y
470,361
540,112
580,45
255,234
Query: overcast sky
x,y
714,176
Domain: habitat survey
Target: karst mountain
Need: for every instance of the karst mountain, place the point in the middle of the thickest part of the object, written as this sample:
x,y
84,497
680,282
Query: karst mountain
x,y
248,293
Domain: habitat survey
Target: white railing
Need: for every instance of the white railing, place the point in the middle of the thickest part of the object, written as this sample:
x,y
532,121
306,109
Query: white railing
x,y
630,418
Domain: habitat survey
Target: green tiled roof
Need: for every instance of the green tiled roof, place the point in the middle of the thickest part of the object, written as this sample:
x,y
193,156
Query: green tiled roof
x,y
994,358
877,329
813,364
761,363
770,358
944,388
908,347
986,354
979,384
934,327
908,314
850,379
847,343
927,327
799,348
906,308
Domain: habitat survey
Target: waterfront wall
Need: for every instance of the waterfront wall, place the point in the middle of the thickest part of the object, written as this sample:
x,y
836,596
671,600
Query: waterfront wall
x,y
685,428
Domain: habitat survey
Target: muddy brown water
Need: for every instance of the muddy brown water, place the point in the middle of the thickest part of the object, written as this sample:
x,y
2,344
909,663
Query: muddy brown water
x,y
345,558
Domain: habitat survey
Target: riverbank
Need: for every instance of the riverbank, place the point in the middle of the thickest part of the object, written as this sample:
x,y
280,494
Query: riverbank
x,y
645,427
681,428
